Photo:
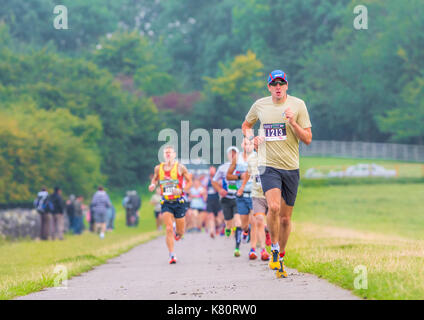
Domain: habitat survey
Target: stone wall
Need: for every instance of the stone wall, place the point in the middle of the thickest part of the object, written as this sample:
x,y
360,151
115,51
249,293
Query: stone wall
x,y
19,223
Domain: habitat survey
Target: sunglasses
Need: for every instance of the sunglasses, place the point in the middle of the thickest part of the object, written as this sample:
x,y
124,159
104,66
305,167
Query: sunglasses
x,y
274,83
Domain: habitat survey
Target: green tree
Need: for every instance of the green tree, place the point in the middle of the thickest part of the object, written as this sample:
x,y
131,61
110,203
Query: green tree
x,y
40,148
231,93
56,82
283,33
31,22
405,123
132,55
360,75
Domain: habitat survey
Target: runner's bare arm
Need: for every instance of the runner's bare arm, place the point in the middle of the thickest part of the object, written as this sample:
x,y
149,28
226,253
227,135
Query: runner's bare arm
x,y
186,176
205,194
232,167
246,127
246,177
217,186
303,134
154,180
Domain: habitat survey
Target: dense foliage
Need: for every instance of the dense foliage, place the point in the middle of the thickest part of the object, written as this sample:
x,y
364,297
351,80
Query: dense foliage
x,y
84,106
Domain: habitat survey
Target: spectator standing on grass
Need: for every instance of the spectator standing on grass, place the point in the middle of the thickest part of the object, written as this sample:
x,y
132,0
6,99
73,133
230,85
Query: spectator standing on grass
x,y
111,214
41,205
132,204
100,203
70,212
90,218
58,209
126,205
79,216
136,200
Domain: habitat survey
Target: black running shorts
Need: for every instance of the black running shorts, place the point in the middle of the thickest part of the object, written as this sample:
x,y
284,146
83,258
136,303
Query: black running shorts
x,y
285,180
213,205
229,207
177,208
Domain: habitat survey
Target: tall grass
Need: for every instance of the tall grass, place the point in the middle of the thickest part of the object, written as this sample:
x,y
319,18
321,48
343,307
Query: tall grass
x,y
380,227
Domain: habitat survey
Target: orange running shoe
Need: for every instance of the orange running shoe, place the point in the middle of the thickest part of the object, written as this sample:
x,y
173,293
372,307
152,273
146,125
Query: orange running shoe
x,y
264,255
173,260
252,254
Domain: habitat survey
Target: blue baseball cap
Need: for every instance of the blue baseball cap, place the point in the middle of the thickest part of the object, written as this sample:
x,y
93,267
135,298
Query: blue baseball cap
x,y
277,74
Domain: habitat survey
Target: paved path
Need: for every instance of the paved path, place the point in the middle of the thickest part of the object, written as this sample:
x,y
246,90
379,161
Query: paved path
x,y
206,269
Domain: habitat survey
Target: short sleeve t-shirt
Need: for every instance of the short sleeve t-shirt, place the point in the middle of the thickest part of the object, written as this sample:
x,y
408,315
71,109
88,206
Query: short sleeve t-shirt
x,y
241,167
252,168
281,147
229,186
197,201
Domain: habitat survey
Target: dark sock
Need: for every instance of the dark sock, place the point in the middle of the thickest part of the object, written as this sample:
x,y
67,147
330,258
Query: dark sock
x,y
238,237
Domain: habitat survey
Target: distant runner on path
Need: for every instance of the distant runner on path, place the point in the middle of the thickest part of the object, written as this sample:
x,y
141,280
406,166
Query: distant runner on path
x,y
284,121
260,207
170,175
236,172
213,206
227,191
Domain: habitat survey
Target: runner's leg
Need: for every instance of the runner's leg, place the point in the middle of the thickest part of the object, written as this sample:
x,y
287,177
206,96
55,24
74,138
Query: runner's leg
x,y
228,213
157,220
211,223
202,219
245,219
189,219
237,224
273,198
253,237
253,231
219,220
195,217
260,229
180,225
168,219
229,224
285,228
285,224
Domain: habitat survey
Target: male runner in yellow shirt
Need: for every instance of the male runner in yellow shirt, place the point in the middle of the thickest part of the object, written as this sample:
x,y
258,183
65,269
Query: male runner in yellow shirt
x,y
171,176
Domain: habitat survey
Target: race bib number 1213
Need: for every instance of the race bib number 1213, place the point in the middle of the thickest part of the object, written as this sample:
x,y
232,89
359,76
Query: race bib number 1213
x,y
275,131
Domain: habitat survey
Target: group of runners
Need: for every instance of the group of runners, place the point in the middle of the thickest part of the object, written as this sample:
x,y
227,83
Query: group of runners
x,y
256,188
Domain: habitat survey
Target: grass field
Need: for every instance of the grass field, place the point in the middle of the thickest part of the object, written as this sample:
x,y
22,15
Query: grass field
x,y
27,266
381,227
404,169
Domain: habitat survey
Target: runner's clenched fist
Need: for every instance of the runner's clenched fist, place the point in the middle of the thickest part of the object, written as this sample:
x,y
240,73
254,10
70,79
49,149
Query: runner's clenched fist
x,y
257,141
290,116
